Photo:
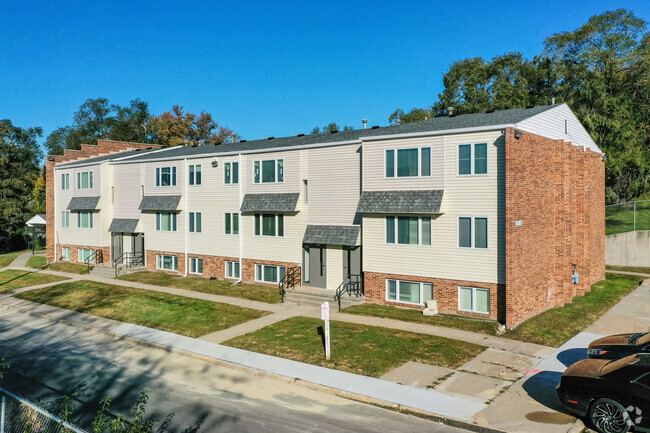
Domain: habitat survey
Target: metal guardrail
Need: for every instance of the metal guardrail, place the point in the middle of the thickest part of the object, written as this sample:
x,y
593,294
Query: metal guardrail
x,y
129,259
18,415
291,277
96,257
352,285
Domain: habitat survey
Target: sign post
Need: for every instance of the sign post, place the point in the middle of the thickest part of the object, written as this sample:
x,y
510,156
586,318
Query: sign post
x,y
325,315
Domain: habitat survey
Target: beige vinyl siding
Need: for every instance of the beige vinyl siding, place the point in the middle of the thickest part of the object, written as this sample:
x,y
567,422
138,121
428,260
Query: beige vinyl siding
x,y
106,205
374,168
334,268
334,185
292,180
161,240
97,181
127,183
149,177
284,249
475,196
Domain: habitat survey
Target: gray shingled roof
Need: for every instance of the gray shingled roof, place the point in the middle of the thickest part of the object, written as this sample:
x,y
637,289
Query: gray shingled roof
x,y
414,202
332,235
83,203
503,117
168,203
273,202
123,225
108,157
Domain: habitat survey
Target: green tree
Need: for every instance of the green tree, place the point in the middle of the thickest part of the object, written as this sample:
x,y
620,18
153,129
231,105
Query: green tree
x,y
176,127
331,127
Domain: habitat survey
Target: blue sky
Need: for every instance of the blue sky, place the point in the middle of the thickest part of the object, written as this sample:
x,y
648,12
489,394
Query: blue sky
x,y
261,68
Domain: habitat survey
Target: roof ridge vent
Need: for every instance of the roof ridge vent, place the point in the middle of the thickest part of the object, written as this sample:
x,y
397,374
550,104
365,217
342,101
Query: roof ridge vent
x,y
375,127
243,141
334,131
138,150
271,138
530,106
300,135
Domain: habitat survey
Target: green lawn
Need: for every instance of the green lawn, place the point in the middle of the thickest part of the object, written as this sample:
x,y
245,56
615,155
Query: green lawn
x,y
6,259
36,262
72,268
639,269
359,349
410,315
556,326
216,287
13,279
177,314
619,219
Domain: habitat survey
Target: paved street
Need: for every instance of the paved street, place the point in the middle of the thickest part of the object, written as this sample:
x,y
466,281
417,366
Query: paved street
x,y
186,395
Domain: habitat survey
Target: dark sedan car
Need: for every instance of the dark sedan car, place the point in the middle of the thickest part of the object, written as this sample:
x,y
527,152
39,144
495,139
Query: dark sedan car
x,y
619,346
613,395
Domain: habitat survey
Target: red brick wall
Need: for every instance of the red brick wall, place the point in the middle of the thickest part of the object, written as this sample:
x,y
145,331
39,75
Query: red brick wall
x,y
103,147
74,252
151,261
557,192
444,291
248,269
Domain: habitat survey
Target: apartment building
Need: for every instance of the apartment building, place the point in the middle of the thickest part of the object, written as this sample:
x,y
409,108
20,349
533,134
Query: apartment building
x,y
489,214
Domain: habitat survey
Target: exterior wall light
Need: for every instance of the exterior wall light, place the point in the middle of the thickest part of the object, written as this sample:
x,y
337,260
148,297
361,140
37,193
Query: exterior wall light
x,y
215,162
575,276
518,134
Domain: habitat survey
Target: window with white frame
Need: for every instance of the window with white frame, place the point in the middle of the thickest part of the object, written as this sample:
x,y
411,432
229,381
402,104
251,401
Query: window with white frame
x,y
65,181
165,176
231,173
166,263
268,171
408,230
195,174
65,253
65,219
165,221
195,222
83,254
474,300
409,292
269,224
408,162
232,270
84,220
84,180
196,265
268,273
472,159
472,232
232,224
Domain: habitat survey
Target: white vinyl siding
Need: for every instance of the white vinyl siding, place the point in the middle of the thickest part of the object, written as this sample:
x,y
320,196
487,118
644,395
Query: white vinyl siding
x,y
474,300
83,254
231,173
232,269
268,171
195,222
166,263
268,273
409,292
196,265
472,232
165,176
414,162
85,220
408,230
65,219
195,174
231,223
472,159
165,221
269,225
84,180
65,253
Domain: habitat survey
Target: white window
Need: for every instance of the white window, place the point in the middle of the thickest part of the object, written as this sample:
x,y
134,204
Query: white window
x,y
232,270
408,230
232,224
165,176
409,292
196,265
269,274
472,232
231,173
268,171
84,180
65,253
195,222
474,299
408,162
166,263
269,224
83,254
85,220
165,221
195,174
472,159
65,219
65,181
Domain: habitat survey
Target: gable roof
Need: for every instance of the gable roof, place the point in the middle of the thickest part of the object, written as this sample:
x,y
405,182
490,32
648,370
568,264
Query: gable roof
x,y
332,235
123,225
109,157
410,202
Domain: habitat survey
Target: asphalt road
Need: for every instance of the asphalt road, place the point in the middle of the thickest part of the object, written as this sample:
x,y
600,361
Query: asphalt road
x,y
51,359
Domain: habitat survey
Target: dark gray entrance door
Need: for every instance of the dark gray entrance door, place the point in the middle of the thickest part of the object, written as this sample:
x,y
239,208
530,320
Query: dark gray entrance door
x,y
351,261
138,243
116,245
314,266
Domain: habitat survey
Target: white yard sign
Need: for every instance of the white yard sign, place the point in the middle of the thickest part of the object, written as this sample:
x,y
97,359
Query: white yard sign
x,y
325,315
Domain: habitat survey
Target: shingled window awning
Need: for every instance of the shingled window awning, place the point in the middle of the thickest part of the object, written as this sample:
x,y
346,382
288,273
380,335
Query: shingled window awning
x,y
272,202
123,225
83,203
332,235
408,202
162,203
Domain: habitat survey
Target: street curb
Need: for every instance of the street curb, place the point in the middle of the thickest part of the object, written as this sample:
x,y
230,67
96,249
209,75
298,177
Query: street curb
x,y
452,422
577,427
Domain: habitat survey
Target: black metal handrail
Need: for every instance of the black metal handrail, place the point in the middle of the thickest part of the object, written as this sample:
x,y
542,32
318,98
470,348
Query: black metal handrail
x,y
352,285
129,259
97,257
290,279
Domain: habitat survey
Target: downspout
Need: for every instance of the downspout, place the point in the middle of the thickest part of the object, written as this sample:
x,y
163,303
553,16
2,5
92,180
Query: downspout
x,y
56,256
241,237
187,219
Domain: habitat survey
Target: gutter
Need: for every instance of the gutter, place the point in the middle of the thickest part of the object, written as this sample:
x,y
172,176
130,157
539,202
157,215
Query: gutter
x,y
54,171
241,236
187,219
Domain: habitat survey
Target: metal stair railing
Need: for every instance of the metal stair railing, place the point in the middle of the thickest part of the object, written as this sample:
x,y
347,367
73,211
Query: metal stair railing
x,y
352,286
97,257
291,277
128,259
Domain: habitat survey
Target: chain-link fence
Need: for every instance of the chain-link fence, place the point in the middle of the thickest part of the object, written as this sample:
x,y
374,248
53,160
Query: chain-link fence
x,y
17,415
627,217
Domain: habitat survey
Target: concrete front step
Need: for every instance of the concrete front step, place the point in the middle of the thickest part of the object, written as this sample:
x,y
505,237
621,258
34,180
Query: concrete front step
x,y
315,297
108,271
